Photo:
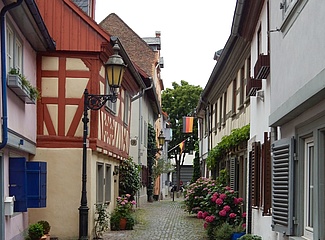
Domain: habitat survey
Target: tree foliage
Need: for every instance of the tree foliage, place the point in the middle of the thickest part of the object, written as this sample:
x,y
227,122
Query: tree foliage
x,y
178,102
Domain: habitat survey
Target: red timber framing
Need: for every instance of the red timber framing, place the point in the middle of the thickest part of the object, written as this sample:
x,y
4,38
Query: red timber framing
x,y
113,135
77,36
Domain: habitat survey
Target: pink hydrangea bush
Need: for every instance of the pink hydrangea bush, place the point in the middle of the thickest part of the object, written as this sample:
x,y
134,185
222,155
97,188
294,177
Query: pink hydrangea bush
x,y
196,192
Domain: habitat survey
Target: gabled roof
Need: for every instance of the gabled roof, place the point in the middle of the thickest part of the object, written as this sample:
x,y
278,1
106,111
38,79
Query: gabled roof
x,y
29,20
70,27
74,30
138,50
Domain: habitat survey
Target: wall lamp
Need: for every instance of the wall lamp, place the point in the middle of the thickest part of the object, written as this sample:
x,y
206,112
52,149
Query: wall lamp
x,y
116,171
114,70
161,141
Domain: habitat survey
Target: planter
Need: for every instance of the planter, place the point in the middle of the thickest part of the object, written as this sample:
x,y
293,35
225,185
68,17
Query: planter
x,y
46,237
235,236
15,84
123,222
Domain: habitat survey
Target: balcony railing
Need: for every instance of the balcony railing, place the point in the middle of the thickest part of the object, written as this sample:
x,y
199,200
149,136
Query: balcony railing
x,y
262,67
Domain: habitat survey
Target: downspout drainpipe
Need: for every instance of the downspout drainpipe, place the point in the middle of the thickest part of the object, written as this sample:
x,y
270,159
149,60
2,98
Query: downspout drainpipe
x,y
3,12
139,133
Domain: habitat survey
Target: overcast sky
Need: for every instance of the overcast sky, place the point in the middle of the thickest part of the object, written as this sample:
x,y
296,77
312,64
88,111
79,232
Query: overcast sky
x,y
191,32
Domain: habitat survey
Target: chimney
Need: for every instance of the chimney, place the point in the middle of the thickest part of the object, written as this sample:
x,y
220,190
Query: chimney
x,y
158,34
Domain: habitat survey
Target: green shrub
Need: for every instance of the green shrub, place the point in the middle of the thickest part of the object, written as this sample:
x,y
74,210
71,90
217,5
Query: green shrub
x,y
223,232
46,226
35,231
250,237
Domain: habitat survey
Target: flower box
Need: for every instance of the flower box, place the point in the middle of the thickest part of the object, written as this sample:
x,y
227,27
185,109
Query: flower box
x,y
22,91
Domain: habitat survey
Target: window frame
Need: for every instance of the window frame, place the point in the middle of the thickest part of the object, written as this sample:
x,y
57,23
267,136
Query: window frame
x,y
309,143
14,49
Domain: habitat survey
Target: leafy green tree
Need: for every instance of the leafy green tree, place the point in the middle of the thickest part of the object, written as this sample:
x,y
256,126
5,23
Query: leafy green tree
x,y
178,102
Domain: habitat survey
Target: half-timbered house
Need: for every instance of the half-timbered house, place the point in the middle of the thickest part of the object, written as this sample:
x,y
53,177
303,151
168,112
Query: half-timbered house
x,y
23,36
62,76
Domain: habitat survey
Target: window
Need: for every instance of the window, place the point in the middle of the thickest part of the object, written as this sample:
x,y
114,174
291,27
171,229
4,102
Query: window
x,y
216,116
206,121
14,50
288,4
85,6
224,109
220,112
309,188
126,108
234,96
111,106
108,182
259,42
242,85
145,138
100,183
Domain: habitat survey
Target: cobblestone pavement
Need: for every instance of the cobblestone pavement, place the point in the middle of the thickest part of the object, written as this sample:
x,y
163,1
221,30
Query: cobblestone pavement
x,y
162,220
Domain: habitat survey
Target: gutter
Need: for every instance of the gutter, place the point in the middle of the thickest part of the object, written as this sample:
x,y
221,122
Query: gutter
x,y
3,12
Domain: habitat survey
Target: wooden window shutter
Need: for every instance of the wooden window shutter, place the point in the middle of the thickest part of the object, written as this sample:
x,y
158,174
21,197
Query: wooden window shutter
x,y
36,184
255,172
267,173
233,173
282,187
17,183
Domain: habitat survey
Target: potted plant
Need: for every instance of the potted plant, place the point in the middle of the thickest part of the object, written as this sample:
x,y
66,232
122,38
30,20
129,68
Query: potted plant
x,y
121,217
101,222
35,231
19,84
250,237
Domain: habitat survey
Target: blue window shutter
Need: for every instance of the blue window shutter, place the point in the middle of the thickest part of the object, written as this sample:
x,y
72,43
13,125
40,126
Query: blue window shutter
x,y
17,183
282,187
36,184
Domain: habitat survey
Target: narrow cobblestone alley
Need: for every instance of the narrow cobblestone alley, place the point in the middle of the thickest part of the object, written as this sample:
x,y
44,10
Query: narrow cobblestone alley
x,y
162,220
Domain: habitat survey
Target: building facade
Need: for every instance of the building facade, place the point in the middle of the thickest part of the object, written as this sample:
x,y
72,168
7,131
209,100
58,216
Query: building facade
x,y
23,36
82,48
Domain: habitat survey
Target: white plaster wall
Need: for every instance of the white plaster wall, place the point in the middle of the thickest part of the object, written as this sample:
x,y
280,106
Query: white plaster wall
x,y
297,55
20,114
139,155
259,115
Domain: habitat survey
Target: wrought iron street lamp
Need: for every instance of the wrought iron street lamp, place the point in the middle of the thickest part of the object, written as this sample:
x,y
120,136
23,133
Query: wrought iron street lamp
x,y
114,68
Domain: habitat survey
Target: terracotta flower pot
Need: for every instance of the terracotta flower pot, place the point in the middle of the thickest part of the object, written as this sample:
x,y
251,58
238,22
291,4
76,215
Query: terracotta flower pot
x,y
123,223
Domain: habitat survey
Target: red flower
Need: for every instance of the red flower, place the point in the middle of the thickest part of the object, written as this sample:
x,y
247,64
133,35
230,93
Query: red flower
x,y
219,201
222,213
244,215
200,215
232,215
209,218
205,214
205,225
223,196
226,208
